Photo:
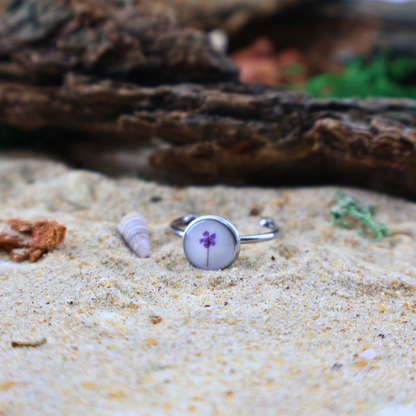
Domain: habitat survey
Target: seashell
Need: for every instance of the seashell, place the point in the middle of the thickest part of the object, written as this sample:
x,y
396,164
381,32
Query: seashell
x,y
133,229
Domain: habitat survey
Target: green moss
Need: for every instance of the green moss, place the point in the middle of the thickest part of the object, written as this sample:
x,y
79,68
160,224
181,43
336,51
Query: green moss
x,y
347,213
383,77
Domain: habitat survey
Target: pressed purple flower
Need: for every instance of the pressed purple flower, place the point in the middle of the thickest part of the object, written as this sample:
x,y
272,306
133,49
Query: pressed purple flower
x,y
207,241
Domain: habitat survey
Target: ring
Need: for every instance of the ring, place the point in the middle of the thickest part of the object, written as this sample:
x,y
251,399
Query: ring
x,y
211,242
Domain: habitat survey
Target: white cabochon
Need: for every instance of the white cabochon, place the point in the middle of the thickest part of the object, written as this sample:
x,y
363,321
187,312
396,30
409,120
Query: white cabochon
x,y
217,256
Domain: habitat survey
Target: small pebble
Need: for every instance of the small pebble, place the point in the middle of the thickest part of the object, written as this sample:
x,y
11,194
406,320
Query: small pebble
x,y
219,40
156,319
151,341
369,354
254,211
7,384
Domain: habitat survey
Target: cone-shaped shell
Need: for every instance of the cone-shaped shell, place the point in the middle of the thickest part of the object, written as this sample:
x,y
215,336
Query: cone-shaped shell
x,y
133,229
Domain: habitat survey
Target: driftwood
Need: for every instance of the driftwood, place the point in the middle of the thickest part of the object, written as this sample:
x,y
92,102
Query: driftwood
x,y
222,131
137,40
232,131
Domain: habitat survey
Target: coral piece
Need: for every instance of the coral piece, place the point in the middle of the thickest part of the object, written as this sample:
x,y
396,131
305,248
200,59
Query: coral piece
x,y
30,240
133,229
347,210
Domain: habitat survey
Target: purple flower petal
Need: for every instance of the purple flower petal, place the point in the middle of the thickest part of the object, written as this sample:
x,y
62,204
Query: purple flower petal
x,y
208,240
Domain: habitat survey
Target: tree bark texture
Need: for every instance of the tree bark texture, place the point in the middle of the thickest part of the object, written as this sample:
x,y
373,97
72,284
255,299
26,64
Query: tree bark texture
x,y
137,40
230,131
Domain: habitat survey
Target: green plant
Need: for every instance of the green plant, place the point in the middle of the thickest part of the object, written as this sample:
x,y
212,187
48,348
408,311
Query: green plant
x,y
383,77
347,213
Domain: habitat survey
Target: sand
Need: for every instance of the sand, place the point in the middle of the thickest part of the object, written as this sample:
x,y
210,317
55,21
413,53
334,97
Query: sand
x,y
320,321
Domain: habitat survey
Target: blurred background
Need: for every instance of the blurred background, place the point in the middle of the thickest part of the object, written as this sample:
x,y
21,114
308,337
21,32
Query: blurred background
x,y
330,48
60,62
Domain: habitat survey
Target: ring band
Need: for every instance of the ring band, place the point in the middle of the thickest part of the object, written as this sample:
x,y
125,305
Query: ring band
x,y
211,242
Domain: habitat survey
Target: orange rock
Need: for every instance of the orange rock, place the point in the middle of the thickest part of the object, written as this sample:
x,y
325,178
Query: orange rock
x,y
30,240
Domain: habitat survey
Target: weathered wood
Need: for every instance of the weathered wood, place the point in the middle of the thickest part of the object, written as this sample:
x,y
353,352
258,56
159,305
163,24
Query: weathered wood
x,y
229,131
138,40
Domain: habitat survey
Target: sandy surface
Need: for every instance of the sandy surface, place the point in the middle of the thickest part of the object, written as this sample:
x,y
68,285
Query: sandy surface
x,y
280,333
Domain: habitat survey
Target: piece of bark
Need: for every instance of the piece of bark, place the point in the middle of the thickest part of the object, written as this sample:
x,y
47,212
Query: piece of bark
x,y
30,240
233,132
137,40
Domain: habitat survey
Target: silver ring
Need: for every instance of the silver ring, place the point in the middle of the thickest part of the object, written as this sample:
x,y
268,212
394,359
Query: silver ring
x,y
211,242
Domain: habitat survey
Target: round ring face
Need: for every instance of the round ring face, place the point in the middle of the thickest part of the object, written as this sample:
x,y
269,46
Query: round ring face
x,y
211,242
